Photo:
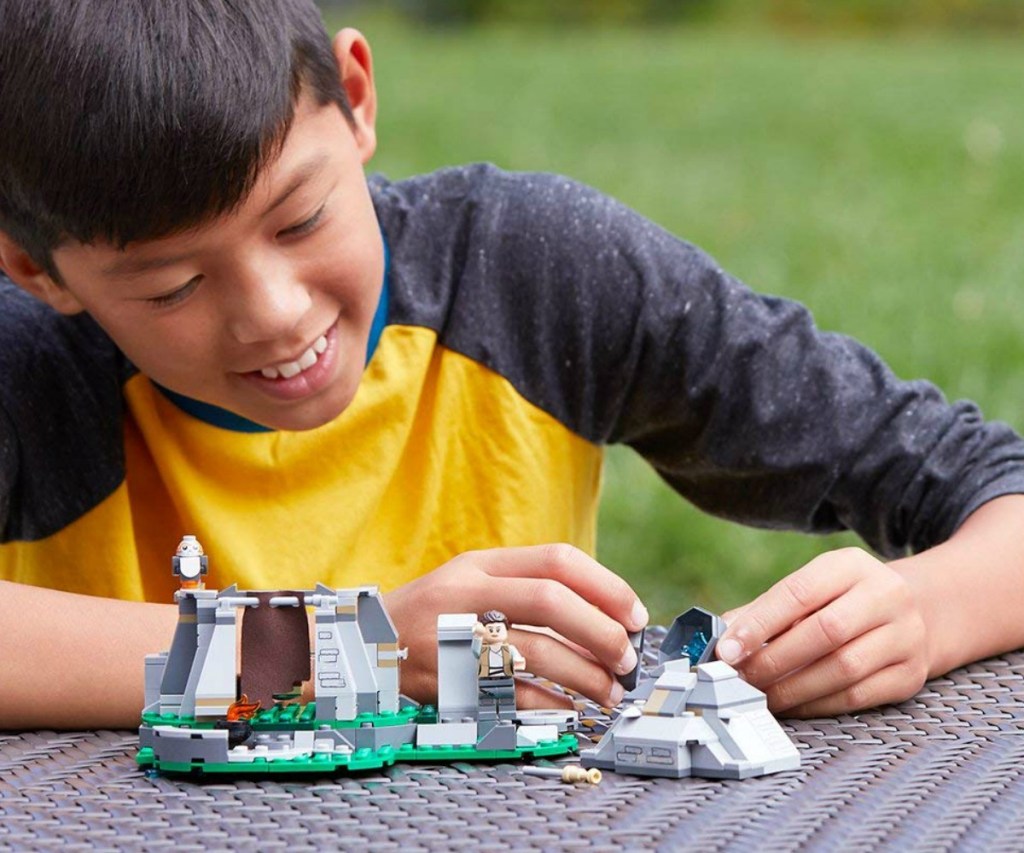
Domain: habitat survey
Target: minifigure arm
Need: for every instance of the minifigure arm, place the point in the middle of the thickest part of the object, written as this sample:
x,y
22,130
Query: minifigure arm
x,y
518,661
478,645
75,661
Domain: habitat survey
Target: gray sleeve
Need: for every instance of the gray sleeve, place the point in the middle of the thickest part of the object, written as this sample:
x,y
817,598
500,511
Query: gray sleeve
x,y
630,335
8,469
61,424
626,334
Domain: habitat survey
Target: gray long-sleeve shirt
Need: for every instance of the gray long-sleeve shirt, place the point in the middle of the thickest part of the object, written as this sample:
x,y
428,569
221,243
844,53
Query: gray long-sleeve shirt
x,y
611,325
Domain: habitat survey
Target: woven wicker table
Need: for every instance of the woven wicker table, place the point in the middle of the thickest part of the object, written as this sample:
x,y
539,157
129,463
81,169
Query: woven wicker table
x,y
942,771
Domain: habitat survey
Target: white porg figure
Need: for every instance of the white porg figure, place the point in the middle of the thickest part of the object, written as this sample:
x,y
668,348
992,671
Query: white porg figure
x,y
189,562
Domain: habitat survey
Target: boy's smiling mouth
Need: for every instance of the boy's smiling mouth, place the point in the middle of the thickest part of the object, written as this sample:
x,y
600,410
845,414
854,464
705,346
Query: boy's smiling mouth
x,y
305,375
288,369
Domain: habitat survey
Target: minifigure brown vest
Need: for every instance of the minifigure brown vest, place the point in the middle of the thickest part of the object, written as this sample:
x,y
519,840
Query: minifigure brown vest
x,y
485,662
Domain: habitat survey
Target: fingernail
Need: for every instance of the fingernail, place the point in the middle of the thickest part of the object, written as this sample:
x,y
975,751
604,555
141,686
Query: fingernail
x,y
729,650
616,695
639,616
628,662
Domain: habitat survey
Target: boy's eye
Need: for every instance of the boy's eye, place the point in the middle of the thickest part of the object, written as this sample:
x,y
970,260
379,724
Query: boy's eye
x,y
175,295
306,226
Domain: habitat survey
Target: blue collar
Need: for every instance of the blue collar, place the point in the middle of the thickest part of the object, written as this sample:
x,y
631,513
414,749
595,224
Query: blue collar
x,y
218,417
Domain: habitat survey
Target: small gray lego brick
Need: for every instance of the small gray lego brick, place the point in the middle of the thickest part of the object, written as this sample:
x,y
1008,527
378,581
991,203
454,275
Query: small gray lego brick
x,y
446,734
367,702
530,736
146,736
374,737
629,680
338,738
562,718
155,665
501,735
182,746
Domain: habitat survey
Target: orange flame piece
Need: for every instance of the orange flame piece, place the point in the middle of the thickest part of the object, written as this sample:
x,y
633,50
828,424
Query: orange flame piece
x,y
242,709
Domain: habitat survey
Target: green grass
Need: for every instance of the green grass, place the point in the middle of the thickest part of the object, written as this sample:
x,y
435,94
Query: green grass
x,y
878,180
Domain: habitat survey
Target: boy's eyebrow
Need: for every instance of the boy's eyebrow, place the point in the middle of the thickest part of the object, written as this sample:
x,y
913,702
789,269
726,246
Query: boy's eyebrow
x,y
124,266
306,171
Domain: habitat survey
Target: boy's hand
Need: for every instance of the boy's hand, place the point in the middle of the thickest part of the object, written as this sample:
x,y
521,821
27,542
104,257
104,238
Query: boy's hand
x,y
589,608
843,633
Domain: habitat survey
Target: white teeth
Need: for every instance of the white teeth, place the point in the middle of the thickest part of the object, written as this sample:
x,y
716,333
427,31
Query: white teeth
x,y
288,369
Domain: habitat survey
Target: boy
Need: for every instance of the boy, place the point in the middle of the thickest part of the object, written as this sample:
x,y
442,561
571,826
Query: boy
x,y
217,326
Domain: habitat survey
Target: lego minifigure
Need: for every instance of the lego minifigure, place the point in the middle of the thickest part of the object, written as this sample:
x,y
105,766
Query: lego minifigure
x,y
499,660
189,562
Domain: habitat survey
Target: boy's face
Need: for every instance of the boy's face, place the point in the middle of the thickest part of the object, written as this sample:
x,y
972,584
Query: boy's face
x,y
265,311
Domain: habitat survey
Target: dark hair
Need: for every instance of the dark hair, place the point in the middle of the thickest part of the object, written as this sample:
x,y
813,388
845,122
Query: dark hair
x,y
493,616
127,120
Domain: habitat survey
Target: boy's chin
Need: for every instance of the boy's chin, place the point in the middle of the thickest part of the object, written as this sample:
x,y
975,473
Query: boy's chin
x,y
301,418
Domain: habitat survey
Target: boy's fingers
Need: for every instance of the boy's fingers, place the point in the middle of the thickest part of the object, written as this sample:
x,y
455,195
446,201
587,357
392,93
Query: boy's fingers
x,y
575,569
884,687
812,638
548,632
851,667
731,616
548,602
804,591
551,659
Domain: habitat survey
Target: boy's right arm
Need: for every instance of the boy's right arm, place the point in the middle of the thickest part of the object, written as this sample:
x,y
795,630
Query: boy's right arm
x,y
72,661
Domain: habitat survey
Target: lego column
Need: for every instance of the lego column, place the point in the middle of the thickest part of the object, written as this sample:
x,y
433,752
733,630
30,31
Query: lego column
x,y
344,678
457,668
381,639
183,651
212,683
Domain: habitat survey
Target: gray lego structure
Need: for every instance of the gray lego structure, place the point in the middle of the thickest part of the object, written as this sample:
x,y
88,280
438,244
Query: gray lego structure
x,y
194,719
356,654
699,721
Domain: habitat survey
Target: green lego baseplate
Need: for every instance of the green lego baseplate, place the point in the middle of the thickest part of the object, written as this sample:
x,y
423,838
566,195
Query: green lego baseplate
x,y
302,715
299,717
364,759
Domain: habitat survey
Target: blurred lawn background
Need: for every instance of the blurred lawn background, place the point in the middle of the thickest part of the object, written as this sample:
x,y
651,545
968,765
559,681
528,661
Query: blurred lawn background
x,y
867,162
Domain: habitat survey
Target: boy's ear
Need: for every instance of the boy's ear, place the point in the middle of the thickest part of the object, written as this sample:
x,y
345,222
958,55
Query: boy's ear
x,y
30,277
355,67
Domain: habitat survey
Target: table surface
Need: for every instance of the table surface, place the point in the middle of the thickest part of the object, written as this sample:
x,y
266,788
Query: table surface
x,y
941,771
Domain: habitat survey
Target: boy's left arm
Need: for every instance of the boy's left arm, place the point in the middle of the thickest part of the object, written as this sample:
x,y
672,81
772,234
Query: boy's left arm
x,y
847,632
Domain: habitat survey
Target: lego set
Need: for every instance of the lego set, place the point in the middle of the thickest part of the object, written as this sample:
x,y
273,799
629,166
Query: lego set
x,y
201,716
699,720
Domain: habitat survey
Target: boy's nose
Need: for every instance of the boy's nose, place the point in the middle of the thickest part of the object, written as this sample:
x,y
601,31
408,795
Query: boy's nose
x,y
267,308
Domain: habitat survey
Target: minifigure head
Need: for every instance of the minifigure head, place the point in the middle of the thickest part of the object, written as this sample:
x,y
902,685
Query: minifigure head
x,y
495,627
190,174
189,546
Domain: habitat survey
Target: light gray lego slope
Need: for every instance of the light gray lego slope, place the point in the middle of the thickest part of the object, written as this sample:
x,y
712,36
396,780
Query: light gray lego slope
x,y
943,771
